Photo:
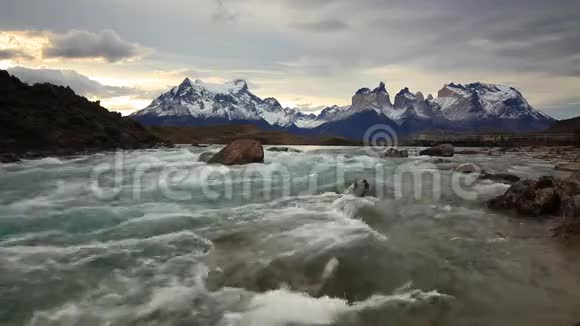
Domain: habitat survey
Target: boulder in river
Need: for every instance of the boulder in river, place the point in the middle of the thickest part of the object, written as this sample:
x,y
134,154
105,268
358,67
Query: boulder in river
x,y
395,153
359,188
443,150
239,152
547,196
468,168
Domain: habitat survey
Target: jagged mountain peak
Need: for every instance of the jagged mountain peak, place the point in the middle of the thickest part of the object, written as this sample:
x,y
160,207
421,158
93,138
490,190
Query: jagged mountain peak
x,y
381,88
186,81
405,91
199,86
272,101
377,90
420,96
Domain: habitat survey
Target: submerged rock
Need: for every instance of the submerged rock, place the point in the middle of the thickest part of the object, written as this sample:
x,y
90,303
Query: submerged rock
x,y
443,150
468,168
468,152
199,145
395,153
499,177
359,188
239,152
572,167
206,156
440,161
567,228
283,149
571,207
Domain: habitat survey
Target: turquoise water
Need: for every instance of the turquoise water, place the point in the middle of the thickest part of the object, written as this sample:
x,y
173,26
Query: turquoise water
x,y
168,240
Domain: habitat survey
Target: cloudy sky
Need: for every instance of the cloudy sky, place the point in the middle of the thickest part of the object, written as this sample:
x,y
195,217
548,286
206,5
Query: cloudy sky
x,y
306,53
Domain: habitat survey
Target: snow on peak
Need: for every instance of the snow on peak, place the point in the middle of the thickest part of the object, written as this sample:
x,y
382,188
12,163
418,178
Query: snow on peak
x,y
226,88
481,100
234,101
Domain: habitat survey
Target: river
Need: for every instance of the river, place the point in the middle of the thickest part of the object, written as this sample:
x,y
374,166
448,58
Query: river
x,y
155,237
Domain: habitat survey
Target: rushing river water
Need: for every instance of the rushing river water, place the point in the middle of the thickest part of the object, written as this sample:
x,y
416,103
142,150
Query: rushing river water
x,y
157,238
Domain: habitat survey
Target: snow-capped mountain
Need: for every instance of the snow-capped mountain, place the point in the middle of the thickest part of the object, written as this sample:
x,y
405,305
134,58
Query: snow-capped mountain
x,y
197,103
457,107
488,105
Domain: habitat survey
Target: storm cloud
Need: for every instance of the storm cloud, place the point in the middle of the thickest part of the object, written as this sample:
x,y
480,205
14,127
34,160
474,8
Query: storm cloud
x,y
13,54
326,49
77,44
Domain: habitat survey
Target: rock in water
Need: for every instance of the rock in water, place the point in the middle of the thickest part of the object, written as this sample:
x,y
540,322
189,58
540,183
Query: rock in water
x,y
468,168
395,153
443,150
547,196
359,188
239,152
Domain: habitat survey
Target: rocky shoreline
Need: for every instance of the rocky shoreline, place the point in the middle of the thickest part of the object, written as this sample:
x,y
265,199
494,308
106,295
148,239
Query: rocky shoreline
x,y
14,157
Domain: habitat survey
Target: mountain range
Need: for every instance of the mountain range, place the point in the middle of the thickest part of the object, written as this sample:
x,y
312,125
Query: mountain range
x,y
457,107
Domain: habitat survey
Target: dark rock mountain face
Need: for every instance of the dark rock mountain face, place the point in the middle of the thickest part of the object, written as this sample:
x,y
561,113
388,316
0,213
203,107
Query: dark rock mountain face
x,y
457,108
44,118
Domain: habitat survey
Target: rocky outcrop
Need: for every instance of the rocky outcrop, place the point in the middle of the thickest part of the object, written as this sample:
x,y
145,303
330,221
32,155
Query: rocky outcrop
x,y
395,153
359,188
547,196
443,150
45,120
240,152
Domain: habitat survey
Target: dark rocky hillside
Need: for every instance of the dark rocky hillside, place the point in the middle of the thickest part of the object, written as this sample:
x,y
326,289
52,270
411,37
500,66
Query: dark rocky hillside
x,y
566,126
45,119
